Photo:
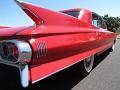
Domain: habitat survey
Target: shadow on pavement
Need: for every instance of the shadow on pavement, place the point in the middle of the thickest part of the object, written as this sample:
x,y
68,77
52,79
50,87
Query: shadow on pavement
x,y
100,58
64,80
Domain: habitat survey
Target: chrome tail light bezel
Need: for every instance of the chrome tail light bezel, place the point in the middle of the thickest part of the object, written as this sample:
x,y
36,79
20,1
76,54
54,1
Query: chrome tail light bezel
x,y
24,57
24,51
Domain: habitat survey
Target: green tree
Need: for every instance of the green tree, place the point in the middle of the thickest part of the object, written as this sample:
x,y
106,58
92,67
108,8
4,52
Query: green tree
x,y
113,23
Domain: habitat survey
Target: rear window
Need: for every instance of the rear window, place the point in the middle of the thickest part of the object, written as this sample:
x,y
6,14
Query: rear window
x,y
98,21
72,13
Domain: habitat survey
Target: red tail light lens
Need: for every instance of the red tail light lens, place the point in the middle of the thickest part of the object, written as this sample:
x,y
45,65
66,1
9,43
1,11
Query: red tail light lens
x,y
8,51
5,50
15,52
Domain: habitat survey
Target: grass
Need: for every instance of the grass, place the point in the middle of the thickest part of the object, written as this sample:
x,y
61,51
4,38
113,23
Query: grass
x,y
118,35
118,32
118,38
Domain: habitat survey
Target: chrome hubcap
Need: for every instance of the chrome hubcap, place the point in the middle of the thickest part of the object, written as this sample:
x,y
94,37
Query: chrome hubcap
x,y
113,47
88,63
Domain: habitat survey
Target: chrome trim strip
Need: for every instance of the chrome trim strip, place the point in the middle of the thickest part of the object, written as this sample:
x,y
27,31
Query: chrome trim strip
x,y
57,71
11,64
41,49
103,50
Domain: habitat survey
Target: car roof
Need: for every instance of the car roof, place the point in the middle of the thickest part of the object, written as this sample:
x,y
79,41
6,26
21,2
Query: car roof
x,y
74,9
85,15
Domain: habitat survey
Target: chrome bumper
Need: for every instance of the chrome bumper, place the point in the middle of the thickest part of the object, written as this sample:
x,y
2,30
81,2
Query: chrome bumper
x,y
24,72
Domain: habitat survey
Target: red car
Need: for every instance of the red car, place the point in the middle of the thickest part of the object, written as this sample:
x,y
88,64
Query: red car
x,y
56,41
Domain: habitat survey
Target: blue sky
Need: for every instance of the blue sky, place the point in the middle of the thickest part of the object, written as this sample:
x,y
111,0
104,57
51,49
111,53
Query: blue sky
x,y
12,15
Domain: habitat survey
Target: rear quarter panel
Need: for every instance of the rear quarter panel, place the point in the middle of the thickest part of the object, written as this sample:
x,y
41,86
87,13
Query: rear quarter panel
x,y
56,51
60,45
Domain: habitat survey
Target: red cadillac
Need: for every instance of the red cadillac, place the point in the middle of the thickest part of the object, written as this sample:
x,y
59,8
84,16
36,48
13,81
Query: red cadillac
x,y
56,41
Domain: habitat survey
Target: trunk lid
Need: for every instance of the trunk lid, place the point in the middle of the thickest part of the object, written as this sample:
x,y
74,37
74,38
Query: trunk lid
x,y
12,32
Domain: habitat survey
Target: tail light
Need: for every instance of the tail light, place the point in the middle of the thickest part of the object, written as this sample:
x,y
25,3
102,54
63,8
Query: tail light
x,y
4,50
15,51
7,51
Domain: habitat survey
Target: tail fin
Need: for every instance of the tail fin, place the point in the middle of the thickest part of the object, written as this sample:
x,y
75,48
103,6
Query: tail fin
x,y
39,15
29,10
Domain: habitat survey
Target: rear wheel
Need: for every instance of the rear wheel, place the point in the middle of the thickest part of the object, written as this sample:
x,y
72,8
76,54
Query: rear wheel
x,y
86,66
112,48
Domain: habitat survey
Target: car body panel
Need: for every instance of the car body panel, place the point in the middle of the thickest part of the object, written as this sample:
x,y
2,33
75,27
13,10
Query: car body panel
x,y
58,40
1,27
62,53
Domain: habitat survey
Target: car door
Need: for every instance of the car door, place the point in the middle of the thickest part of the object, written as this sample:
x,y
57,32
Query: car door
x,y
102,32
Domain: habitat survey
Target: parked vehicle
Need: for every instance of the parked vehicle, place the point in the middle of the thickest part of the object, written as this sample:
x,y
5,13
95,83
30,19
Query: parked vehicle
x,y
56,41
